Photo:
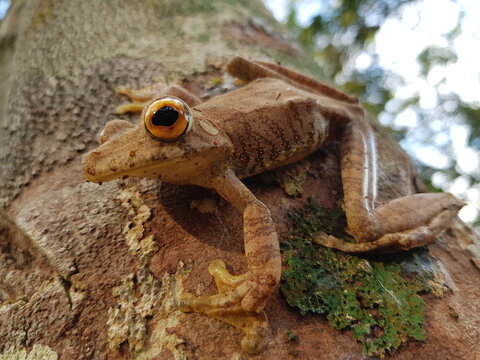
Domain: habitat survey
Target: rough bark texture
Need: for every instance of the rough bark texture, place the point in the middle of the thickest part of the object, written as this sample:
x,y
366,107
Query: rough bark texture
x,y
91,272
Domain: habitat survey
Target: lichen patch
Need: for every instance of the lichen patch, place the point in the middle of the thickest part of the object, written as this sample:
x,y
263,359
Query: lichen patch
x,y
38,352
166,318
139,245
141,297
145,308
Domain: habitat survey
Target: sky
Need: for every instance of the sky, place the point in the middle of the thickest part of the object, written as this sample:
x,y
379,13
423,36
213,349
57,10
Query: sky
x,y
398,43
4,4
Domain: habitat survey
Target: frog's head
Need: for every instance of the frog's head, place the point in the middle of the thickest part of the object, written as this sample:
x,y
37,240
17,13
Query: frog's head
x,y
167,144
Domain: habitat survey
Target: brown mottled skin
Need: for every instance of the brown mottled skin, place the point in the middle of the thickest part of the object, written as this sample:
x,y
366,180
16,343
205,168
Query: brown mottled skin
x,y
276,119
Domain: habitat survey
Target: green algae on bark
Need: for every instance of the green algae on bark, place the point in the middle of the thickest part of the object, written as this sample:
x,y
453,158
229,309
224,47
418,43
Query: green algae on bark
x,y
376,298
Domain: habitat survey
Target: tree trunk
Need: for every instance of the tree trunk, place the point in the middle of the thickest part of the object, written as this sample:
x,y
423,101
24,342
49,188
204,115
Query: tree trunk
x,y
93,272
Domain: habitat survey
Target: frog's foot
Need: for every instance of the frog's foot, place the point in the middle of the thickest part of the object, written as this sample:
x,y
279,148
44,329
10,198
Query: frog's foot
x,y
403,240
229,306
142,97
130,107
387,243
139,97
145,94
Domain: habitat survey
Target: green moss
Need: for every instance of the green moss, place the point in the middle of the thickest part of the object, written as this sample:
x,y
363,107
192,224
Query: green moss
x,y
171,8
195,6
377,300
455,315
291,178
203,38
292,337
216,81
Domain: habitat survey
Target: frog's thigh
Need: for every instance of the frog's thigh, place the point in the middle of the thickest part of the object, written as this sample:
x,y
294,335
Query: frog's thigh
x,y
402,240
411,212
367,223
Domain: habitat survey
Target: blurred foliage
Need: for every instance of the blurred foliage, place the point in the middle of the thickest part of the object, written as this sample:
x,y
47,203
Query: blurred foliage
x,y
435,55
345,30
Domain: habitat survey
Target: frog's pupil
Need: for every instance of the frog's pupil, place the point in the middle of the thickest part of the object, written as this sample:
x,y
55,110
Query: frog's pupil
x,y
165,116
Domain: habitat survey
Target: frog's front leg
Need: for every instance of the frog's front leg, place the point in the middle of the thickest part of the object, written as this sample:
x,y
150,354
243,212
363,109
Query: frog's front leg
x,y
241,299
142,97
400,224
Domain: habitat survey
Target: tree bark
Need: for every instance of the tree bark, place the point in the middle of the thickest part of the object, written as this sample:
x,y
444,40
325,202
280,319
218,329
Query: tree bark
x,y
92,272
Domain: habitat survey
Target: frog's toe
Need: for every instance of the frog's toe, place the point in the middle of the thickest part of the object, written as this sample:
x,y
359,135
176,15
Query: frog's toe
x,y
186,302
145,94
124,90
223,279
139,97
228,301
228,305
330,241
130,107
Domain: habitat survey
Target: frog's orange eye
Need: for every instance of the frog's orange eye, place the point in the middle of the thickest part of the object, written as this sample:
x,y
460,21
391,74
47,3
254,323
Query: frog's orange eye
x,y
168,118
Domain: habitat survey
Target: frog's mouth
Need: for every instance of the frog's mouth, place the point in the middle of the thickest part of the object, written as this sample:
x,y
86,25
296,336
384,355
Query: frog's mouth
x,y
160,171
178,170
98,174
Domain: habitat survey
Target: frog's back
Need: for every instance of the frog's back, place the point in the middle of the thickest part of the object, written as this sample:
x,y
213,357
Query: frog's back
x,y
269,122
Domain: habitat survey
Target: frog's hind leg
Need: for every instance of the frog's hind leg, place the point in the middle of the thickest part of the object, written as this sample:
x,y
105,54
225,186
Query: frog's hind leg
x,y
393,242
250,70
142,97
402,223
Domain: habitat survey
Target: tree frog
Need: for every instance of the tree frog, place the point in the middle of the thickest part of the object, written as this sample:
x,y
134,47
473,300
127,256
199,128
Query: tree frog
x,y
280,116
